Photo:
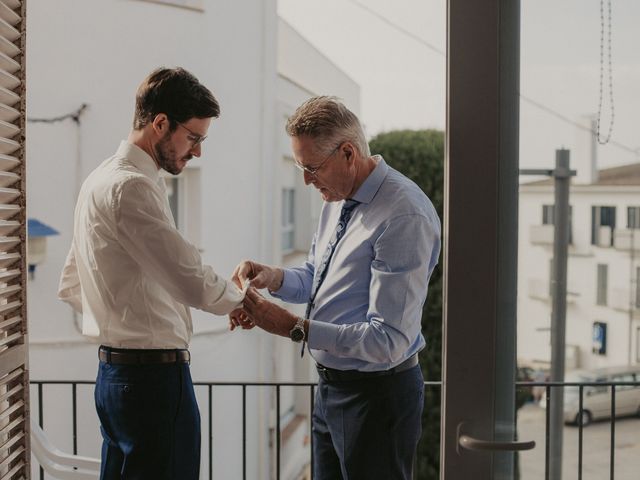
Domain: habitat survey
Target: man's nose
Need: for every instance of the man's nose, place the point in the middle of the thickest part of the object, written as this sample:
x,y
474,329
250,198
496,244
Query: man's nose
x,y
196,151
308,178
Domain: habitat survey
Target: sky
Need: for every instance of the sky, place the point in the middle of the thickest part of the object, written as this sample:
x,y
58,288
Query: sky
x,y
395,51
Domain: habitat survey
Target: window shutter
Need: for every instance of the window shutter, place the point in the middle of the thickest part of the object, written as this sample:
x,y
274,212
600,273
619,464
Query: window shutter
x,y
14,430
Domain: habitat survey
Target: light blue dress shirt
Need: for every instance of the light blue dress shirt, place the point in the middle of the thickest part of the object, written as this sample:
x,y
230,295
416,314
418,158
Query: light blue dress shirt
x,y
368,310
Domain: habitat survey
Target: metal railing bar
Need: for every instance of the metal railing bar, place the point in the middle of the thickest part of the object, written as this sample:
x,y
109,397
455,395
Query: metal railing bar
x,y
546,433
613,430
244,432
74,399
210,432
278,432
40,418
577,384
285,384
580,427
311,407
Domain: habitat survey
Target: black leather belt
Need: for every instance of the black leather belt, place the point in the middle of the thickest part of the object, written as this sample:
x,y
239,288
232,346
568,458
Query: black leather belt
x,y
126,356
333,375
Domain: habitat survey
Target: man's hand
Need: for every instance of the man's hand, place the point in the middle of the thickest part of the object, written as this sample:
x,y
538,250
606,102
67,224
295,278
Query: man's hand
x,y
261,276
239,318
268,315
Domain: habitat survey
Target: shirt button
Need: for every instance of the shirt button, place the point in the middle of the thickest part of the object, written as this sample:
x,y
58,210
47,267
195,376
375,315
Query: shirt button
x,y
126,389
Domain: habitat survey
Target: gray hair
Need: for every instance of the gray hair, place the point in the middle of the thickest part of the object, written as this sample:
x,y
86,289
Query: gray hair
x,y
329,123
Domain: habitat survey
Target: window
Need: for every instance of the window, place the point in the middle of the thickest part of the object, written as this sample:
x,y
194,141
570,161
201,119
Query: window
x,y
185,200
633,217
601,295
602,217
288,220
548,218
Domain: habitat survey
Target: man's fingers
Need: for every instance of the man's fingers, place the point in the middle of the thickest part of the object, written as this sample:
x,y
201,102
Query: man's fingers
x,y
242,272
253,295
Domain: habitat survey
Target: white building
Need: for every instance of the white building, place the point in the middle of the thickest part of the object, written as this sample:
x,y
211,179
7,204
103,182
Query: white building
x,y
603,291
242,199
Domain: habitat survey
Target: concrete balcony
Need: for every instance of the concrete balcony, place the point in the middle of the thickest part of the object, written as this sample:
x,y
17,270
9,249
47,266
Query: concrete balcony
x,y
538,289
604,237
541,234
627,239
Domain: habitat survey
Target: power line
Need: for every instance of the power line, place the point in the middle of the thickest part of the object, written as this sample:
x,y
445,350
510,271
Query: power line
x,y
526,99
395,26
565,119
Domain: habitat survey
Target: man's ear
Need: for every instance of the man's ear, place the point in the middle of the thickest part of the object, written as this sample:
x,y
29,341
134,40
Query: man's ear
x,y
348,151
161,124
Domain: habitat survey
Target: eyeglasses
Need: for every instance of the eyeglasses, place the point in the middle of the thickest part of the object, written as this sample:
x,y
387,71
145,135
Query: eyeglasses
x,y
313,170
193,137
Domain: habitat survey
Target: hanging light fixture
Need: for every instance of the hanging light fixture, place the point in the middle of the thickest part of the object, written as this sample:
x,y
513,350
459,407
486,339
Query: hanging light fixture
x,y
37,233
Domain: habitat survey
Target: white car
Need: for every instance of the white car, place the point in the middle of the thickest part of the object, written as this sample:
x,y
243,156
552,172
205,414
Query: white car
x,y
596,400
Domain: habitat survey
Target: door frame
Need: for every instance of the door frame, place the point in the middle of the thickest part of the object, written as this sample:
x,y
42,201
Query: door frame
x,y
481,224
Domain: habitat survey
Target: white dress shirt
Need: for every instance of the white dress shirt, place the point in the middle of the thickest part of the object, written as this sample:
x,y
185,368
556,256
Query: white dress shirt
x,y
129,271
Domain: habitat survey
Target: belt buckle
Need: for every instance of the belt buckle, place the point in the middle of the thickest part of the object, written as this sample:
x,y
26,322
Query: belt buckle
x,y
323,371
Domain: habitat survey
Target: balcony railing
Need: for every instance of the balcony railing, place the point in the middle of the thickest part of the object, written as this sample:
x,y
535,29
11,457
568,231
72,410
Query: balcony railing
x,y
548,388
206,388
627,239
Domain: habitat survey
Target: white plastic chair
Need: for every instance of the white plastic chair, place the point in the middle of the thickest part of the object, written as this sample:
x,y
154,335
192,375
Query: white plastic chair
x,y
58,464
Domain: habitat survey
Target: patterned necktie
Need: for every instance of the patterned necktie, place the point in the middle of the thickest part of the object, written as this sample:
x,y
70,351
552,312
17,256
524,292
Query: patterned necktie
x,y
321,272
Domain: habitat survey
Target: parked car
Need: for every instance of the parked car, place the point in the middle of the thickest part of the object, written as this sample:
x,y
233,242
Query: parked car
x,y
596,400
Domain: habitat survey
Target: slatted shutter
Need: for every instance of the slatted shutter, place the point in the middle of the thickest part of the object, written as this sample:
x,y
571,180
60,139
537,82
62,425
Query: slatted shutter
x,y
14,425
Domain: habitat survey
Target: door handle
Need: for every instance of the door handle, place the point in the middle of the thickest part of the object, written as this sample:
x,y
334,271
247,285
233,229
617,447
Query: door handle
x,y
475,444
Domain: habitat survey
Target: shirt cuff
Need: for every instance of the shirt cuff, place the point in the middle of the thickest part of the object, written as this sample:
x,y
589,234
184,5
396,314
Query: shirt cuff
x,y
288,289
323,335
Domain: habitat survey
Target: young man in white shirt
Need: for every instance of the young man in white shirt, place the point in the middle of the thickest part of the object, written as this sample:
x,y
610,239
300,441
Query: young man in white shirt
x,y
134,277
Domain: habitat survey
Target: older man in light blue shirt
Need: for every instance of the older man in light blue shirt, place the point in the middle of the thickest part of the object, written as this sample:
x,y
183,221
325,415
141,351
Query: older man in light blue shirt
x,y
365,283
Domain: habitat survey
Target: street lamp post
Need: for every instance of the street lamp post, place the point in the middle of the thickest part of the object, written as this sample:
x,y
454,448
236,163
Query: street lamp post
x,y
562,177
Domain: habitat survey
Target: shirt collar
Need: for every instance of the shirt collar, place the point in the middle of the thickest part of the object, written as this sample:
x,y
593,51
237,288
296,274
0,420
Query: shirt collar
x,y
372,183
140,159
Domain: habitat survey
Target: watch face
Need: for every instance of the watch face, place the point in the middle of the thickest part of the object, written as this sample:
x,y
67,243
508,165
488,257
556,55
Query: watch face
x,y
297,334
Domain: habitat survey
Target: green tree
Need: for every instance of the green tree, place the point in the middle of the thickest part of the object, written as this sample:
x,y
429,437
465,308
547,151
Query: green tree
x,y
419,154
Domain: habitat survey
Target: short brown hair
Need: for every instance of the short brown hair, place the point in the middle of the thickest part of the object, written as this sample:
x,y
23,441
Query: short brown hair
x,y
328,122
176,93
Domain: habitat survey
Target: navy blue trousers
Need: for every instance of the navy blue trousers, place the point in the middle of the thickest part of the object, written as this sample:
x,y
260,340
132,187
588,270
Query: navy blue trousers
x,y
150,422
368,429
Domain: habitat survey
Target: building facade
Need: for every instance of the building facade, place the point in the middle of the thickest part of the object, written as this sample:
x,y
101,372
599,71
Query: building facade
x,y
603,292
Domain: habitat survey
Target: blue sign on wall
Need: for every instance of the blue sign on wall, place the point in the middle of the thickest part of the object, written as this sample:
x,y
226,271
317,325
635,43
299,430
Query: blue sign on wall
x,y
599,344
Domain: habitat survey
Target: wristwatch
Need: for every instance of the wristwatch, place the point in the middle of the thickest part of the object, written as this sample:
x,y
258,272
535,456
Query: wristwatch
x,y
297,332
